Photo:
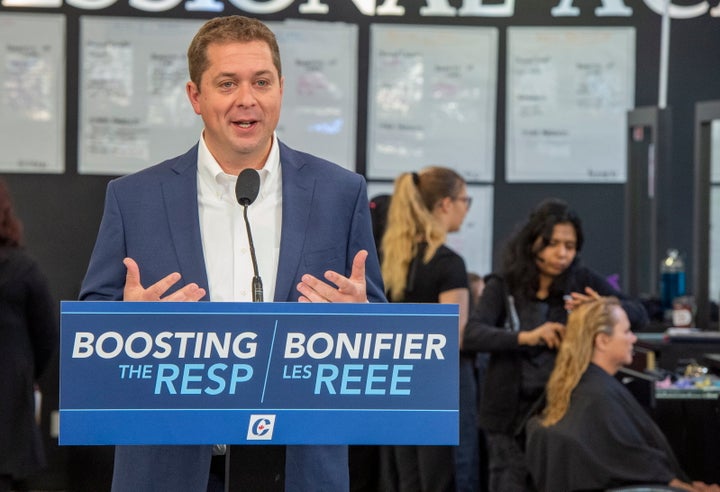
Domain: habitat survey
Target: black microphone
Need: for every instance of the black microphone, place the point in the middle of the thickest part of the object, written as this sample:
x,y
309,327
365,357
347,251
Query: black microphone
x,y
247,187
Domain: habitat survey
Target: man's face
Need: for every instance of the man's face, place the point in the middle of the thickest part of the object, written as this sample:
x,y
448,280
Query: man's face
x,y
239,100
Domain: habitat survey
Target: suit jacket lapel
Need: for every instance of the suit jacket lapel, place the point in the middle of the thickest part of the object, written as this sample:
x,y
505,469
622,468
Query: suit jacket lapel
x,y
181,207
297,197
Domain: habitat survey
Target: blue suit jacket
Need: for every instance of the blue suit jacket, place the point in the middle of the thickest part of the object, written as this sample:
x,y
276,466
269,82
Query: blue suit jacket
x,y
152,217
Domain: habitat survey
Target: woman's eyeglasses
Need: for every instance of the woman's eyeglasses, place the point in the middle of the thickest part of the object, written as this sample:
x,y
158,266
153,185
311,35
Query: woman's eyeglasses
x,y
466,199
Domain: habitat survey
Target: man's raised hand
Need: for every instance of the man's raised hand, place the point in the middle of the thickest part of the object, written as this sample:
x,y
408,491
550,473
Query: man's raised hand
x,y
134,291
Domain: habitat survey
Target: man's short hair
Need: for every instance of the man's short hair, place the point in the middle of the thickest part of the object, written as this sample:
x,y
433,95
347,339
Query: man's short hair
x,y
228,29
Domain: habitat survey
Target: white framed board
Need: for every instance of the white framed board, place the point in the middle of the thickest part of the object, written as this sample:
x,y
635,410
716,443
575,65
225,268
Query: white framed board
x,y
432,100
32,93
568,93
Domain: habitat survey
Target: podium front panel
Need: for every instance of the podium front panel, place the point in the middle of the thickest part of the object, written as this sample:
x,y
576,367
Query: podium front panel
x,y
258,373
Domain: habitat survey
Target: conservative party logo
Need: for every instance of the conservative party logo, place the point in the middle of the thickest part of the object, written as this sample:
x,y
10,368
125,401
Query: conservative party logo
x,y
261,427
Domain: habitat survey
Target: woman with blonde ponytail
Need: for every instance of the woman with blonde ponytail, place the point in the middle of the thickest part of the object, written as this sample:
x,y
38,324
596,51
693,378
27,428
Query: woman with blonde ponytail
x,y
412,223
418,267
593,434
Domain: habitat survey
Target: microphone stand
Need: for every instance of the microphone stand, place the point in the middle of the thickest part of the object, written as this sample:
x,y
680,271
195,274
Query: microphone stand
x,y
247,187
257,287
246,191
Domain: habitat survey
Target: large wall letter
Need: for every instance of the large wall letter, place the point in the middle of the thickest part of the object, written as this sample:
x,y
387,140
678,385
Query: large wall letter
x,y
32,3
390,7
438,7
90,4
365,7
154,5
472,8
610,8
715,12
313,7
270,7
679,11
204,6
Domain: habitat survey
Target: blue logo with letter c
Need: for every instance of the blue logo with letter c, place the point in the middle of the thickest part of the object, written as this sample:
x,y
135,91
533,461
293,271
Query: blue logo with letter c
x,y
261,427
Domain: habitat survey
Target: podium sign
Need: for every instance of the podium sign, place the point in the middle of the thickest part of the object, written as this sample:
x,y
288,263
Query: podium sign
x,y
262,373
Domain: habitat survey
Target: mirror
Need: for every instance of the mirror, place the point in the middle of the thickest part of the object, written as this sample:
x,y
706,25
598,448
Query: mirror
x,y
648,149
714,246
706,223
641,158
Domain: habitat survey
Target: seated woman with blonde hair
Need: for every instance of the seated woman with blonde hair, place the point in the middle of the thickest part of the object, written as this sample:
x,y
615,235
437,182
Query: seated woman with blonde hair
x,y
593,434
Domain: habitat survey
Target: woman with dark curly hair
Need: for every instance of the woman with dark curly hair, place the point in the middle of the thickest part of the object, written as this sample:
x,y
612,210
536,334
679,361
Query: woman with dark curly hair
x,y
520,320
28,340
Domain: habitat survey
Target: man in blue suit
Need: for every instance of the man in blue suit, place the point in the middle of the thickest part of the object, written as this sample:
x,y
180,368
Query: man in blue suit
x,y
177,228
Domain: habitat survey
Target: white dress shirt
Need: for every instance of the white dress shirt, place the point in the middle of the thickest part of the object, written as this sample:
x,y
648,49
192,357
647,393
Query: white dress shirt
x,y
224,238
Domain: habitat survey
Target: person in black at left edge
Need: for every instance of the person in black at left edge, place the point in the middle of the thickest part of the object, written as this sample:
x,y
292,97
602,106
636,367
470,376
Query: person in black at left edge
x,y
28,341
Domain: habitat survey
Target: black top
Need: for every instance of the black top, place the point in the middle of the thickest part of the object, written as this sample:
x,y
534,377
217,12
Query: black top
x,y
516,374
445,271
28,340
604,440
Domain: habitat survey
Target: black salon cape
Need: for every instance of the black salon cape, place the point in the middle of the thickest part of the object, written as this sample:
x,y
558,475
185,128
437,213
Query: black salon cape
x,y
606,439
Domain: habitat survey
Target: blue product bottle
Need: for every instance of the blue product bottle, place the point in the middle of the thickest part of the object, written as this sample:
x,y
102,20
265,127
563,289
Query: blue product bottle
x,y
672,278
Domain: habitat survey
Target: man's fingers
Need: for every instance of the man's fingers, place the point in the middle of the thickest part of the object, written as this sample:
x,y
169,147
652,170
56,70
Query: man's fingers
x,y
345,289
158,289
134,290
314,289
132,276
191,292
350,289
358,267
344,285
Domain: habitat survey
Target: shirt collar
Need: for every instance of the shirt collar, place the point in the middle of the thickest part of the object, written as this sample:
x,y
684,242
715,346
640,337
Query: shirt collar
x,y
222,183
270,172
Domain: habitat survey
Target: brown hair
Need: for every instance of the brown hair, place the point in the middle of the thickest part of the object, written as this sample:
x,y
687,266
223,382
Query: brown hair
x,y
228,29
584,324
11,231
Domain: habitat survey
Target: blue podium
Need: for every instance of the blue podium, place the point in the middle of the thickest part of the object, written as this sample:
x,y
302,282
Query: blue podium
x,y
258,373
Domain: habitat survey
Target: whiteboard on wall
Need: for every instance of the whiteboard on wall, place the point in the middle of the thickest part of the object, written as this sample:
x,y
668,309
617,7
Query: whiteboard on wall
x,y
32,93
432,99
474,239
133,109
568,93
319,112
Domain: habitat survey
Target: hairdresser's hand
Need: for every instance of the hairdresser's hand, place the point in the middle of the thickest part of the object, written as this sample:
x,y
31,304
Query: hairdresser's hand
x,y
134,291
575,299
548,333
345,289
694,487
704,487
